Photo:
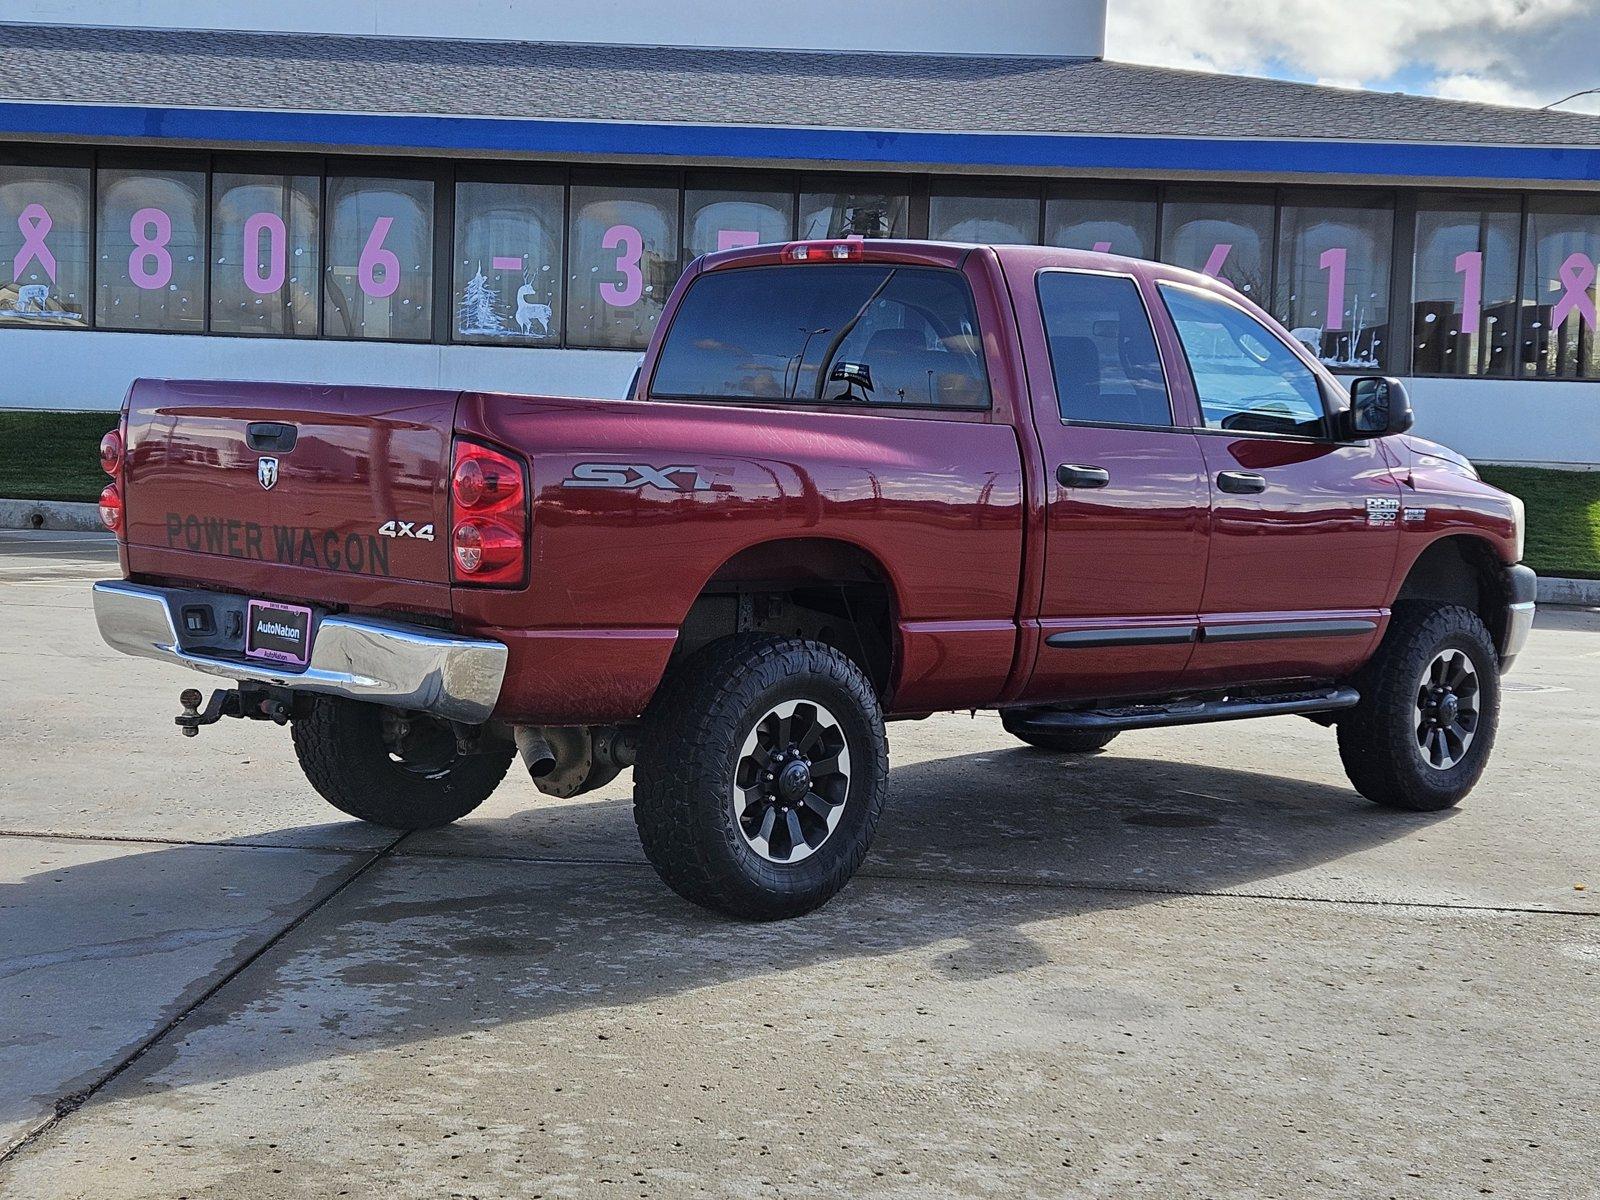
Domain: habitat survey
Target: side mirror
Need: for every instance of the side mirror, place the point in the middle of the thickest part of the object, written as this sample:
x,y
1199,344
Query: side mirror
x,y
1379,407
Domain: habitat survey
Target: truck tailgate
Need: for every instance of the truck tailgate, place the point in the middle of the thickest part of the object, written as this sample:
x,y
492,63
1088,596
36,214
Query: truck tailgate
x,y
289,489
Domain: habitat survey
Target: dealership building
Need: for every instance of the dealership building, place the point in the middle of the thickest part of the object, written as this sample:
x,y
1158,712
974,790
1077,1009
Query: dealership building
x,y
499,195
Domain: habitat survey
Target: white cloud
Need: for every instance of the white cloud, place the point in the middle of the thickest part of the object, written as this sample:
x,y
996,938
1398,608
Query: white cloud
x,y
1527,52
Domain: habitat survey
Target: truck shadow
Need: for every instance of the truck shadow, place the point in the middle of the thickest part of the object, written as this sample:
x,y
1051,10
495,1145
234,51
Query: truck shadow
x,y
548,912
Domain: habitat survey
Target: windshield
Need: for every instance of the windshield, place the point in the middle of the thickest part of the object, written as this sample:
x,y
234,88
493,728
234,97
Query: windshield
x,y
829,334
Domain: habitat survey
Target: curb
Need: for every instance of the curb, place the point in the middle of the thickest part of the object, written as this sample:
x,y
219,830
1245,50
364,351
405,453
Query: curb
x,y
50,514
1583,593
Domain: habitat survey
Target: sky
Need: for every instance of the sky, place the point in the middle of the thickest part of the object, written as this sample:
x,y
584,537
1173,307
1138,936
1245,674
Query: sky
x,y
1525,52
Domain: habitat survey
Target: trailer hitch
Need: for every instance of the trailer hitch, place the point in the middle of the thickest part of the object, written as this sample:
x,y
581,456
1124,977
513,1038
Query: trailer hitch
x,y
258,704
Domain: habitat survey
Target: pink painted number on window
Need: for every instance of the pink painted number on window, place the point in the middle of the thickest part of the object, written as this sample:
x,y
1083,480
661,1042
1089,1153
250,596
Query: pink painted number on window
x,y
1102,247
1470,267
150,264
374,256
1336,263
34,224
1218,259
732,239
630,259
264,282
506,262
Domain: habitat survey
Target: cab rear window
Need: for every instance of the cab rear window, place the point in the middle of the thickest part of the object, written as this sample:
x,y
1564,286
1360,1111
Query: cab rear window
x,y
849,334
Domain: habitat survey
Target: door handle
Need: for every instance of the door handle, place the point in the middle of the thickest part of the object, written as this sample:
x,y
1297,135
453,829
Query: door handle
x,y
1241,483
1071,475
264,436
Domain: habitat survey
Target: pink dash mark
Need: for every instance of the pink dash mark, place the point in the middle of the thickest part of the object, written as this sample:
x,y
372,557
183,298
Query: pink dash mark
x,y
1219,257
1334,262
506,262
1470,267
1577,276
264,283
732,239
1102,247
35,225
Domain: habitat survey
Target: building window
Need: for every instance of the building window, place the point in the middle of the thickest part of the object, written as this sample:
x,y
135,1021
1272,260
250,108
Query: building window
x,y
624,261
1464,289
151,250
853,208
1107,222
1333,280
992,219
721,219
379,278
508,270
265,257
1102,350
1558,288
1219,236
44,246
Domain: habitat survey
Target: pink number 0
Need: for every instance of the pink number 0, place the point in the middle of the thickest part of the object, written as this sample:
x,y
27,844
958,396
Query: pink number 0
x,y
151,230
373,256
631,244
261,282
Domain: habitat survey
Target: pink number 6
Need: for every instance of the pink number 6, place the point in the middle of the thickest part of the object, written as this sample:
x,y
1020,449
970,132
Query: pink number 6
x,y
261,282
373,256
631,244
151,230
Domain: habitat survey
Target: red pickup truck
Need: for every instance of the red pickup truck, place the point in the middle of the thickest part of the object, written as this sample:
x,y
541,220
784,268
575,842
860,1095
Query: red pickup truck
x,y
854,482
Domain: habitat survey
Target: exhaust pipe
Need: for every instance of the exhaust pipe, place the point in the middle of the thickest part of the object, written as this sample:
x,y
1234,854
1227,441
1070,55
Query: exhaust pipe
x,y
536,753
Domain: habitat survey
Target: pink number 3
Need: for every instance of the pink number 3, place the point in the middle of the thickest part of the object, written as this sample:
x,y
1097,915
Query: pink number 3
x,y
630,244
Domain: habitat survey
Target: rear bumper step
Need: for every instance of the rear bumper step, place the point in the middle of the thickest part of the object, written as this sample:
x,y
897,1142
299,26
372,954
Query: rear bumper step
x,y
363,658
1196,712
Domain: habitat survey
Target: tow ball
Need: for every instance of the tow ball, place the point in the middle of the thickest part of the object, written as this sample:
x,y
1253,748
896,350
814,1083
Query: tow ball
x,y
228,702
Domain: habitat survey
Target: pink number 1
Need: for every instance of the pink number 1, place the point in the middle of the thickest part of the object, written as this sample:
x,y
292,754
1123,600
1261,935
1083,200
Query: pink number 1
x,y
373,256
1335,262
1470,267
630,242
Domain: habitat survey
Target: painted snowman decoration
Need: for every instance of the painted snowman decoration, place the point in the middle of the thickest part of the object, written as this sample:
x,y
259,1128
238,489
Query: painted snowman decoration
x,y
528,312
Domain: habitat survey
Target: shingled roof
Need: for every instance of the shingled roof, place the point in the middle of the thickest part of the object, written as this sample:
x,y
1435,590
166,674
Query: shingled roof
x,y
866,91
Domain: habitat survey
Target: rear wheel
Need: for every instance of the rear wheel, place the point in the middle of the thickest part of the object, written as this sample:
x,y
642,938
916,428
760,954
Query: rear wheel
x,y
1430,704
1077,741
761,775
393,768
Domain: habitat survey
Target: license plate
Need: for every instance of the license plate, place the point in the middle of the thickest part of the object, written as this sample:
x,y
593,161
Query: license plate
x,y
280,632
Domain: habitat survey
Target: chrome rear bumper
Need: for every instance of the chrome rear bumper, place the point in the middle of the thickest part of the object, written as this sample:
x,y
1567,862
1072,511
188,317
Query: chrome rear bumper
x,y
363,658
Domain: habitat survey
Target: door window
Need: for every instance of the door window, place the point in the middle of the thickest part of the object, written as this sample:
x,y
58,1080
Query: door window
x,y
1247,380
1102,351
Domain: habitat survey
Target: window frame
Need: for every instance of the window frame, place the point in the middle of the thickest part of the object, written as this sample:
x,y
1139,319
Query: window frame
x,y
1316,369
1176,425
795,404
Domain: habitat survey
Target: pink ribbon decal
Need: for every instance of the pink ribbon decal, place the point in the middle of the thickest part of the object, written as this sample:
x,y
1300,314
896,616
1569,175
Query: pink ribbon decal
x,y
1577,276
35,226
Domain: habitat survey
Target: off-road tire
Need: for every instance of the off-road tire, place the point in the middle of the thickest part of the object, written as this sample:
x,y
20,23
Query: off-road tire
x,y
1077,741
1378,738
690,750
342,751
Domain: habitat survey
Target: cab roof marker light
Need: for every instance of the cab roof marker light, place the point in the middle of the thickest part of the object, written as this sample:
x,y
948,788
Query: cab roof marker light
x,y
849,250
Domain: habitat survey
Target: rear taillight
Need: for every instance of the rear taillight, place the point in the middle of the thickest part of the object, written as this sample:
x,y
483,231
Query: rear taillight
x,y
111,507
849,250
111,454
488,517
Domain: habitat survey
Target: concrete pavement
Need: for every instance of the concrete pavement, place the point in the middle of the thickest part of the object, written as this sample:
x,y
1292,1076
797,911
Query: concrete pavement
x,y
1195,965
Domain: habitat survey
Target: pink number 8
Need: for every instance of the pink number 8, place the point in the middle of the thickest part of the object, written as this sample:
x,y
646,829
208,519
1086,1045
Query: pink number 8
x,y
151,230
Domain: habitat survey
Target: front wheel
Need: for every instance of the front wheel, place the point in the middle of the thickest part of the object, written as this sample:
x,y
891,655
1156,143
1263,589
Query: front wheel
x,y
392,768
762,772
1430,704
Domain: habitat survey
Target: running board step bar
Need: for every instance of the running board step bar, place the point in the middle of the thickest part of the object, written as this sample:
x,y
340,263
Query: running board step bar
x,y
1191,712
